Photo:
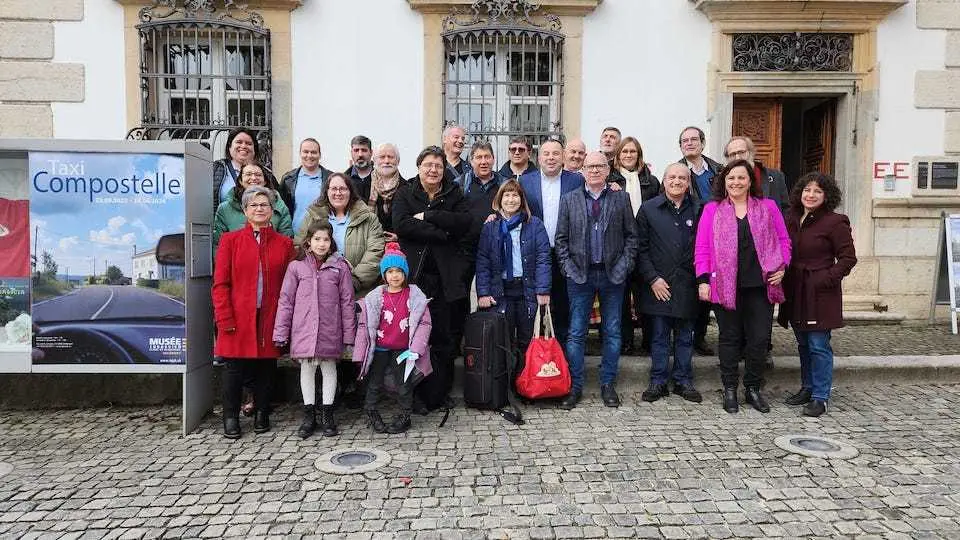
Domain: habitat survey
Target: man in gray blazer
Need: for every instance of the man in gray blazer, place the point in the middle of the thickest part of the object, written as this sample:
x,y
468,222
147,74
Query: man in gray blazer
x,y
596,245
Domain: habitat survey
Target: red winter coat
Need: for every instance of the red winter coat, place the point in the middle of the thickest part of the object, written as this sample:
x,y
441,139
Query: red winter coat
x,y
235,291
823,254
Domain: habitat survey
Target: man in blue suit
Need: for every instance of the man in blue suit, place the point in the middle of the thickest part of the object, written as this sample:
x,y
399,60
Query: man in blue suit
x,y
544,188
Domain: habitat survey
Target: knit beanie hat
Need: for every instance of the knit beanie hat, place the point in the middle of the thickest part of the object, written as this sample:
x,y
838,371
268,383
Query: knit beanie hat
x,y
394,258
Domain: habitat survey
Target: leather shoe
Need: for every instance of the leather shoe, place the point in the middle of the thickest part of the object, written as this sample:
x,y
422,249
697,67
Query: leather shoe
x,y
755,398
231,427
687,392
701,347
571,400
815,408
261,422
654,392
609,395
800,398
730,402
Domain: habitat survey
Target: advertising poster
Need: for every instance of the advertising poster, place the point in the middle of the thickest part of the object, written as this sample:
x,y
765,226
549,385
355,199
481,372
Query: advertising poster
x,y
100,296
15,322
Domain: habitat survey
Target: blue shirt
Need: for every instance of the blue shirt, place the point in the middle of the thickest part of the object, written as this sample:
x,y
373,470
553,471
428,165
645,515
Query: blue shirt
x,y
517,257
308,189
702,181
340,231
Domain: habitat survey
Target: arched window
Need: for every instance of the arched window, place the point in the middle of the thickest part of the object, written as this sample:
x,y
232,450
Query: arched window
x,y
203,72
503,72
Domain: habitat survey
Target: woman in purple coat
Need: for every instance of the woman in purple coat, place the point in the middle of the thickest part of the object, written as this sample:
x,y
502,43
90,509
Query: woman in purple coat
x,y
316,318
823,254
741,253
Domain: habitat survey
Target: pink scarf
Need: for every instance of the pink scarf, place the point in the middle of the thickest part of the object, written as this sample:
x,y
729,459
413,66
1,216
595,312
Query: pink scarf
x,y
725,247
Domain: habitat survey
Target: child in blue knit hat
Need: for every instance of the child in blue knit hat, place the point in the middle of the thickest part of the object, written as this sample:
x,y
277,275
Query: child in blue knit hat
x,y
393,332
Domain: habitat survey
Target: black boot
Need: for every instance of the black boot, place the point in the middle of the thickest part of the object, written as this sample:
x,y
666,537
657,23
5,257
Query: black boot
x,y
800,398
730,402
261,421
231,427
309,422
400,424
755,398
376,421
815,408
327,425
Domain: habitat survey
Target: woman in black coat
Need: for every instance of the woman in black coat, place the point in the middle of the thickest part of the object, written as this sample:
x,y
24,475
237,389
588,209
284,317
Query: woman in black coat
x,y
431,220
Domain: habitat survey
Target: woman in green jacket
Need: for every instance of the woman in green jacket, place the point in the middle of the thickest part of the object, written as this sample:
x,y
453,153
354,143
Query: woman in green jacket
x,y
357,230
230,216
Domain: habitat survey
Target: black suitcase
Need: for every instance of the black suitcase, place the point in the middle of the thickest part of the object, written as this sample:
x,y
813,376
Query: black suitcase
x,y
487,364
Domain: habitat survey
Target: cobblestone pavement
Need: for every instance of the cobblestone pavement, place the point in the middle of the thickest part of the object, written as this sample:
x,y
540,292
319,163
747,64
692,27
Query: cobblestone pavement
x,y
671,469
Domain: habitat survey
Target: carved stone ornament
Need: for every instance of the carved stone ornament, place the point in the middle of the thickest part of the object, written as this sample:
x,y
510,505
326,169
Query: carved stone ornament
x,y
201,10
503,15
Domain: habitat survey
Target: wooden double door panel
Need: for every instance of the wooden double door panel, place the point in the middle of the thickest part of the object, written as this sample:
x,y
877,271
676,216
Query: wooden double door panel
x,y
761,119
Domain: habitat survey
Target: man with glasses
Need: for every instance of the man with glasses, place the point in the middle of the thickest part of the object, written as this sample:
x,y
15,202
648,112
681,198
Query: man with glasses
x,y
361,165
519,163
596,244
703,172
772,181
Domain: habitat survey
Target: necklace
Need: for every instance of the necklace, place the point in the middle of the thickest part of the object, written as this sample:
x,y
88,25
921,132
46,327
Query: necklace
x,y
395,300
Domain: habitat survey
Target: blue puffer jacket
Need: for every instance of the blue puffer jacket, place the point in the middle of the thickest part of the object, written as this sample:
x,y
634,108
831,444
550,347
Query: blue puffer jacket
x,y
535,252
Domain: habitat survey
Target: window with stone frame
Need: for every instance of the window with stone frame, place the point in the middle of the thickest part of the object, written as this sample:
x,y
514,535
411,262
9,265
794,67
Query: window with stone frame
x,y
203,72
503,73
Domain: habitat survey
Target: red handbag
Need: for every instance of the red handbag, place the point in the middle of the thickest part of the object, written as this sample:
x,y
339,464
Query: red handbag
x,y
545,373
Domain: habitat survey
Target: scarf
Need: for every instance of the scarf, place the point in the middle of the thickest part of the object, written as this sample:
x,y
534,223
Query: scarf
x,y
632,187
506,242
383,187
725,246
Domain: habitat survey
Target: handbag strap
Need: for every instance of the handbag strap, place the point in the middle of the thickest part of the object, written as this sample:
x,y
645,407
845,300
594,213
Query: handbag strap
x,y
537,332
547,323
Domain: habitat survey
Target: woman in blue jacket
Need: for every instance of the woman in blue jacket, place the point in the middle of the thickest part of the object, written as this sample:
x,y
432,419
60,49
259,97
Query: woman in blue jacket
x,y
513,264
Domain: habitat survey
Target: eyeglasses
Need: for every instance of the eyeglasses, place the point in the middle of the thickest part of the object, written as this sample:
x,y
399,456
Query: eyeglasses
x,y
738,153
339,189
252,175
432,166
518,149
599,167
258,205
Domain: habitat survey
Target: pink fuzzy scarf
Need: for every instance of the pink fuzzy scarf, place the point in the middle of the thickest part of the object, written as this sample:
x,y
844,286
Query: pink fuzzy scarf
x,y
725,246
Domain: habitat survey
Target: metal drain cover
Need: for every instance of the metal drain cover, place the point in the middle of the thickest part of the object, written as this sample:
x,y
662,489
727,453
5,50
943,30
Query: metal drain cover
x,y
5,469
352,460
816,446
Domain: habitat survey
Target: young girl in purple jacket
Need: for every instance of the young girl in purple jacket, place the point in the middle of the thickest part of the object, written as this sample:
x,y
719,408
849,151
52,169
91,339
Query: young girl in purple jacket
x,y
317,294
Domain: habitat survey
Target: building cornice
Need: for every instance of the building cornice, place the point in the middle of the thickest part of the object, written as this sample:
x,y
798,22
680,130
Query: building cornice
x,y
798,15
288,5
555,7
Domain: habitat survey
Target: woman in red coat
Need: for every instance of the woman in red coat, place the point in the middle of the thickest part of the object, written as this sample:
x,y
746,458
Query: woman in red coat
x,y
823,254
248,275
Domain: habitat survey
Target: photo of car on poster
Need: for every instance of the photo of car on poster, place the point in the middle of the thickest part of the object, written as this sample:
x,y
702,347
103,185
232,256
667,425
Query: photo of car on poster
x,y
100,294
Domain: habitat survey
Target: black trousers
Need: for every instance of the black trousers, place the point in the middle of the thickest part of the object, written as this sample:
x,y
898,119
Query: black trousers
x,y
260,373
559,300
385,364
703,319
434,390
519,322
631,297
745,332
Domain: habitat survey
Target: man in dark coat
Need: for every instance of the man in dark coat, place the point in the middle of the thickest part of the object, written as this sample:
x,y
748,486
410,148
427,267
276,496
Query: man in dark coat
x,y
666,228
430,218
544,188
454,138
519,163
703,172
596,244
772,181
361,165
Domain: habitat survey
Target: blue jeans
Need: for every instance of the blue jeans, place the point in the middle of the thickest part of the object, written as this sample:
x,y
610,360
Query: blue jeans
x,y
816,362
663,330
581,302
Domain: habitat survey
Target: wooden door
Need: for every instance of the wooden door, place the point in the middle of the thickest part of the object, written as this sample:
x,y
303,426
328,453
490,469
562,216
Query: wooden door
x,y
818,134
761,119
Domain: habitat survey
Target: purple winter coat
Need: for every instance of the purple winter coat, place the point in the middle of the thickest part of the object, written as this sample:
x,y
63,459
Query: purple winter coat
x,y
371,307
316,310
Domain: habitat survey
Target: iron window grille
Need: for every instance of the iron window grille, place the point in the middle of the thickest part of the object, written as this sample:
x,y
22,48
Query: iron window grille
x,y
503,73
793,51
204,71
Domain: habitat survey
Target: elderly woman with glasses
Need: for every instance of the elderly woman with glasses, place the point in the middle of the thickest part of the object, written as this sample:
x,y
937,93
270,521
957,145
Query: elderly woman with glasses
x,y
431,218
231,216
248,275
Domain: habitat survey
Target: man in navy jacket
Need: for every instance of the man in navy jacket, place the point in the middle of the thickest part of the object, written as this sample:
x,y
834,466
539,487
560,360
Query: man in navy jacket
x,y
544,188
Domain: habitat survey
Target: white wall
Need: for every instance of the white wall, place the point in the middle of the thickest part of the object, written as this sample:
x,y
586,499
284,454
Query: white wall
x,y
645,71
903,131
97,43
358,69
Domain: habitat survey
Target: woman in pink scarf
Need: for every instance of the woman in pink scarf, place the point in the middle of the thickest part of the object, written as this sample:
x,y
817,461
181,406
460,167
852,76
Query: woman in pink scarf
x,y
741,252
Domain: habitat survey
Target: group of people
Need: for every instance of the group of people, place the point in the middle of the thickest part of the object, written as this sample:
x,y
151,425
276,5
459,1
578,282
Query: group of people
x,y
384,266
